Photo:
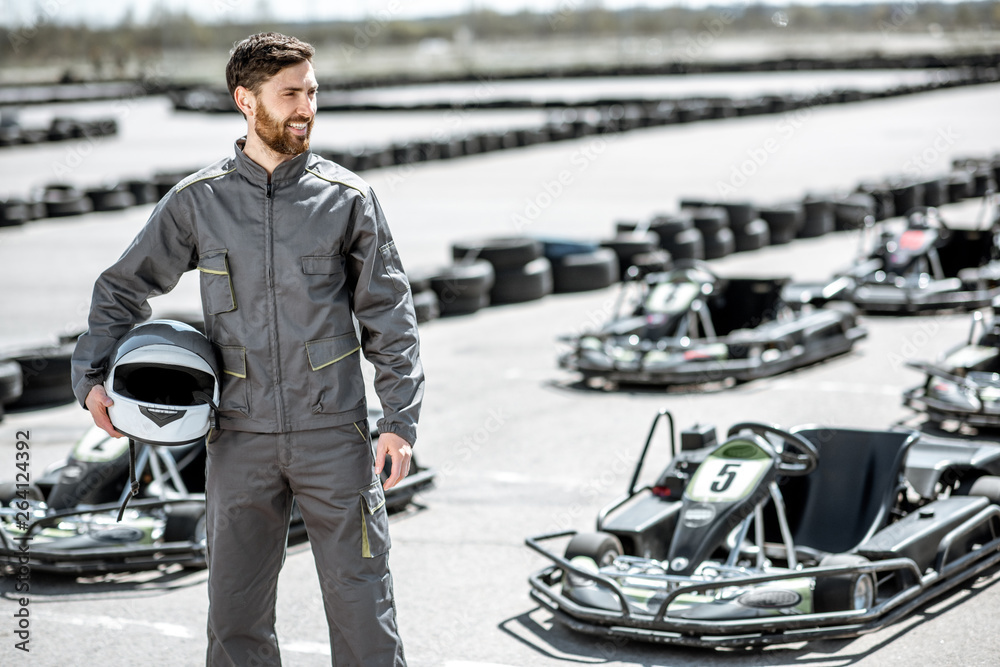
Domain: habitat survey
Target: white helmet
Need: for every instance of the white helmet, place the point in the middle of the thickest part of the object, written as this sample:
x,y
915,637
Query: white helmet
x,y
164,381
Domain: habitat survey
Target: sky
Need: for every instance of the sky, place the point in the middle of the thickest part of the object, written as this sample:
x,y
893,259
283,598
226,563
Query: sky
x,y
110,12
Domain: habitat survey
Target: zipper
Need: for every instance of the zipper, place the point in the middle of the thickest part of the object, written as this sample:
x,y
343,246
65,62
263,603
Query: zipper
x,y
272,306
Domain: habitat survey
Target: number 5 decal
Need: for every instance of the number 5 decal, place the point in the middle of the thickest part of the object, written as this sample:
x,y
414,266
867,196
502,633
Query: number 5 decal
x,y
726,477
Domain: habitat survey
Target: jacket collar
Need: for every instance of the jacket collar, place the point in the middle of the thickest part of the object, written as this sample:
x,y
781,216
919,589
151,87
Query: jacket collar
x,y
255,173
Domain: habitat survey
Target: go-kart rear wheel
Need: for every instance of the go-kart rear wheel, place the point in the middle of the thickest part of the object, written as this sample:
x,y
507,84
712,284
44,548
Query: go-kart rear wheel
x,y
987,486
844,592
185,522
602,548
9,491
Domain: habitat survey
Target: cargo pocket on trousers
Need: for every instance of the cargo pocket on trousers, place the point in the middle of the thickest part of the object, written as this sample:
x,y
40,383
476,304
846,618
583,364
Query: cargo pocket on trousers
x,y
216,283
393,267
374,521
235,396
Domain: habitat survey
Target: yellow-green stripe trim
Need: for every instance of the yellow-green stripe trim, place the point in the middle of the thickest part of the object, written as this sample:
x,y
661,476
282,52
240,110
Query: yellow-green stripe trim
x,y
214,272
331,180
333,361
242,376
359,430
366,548
205,178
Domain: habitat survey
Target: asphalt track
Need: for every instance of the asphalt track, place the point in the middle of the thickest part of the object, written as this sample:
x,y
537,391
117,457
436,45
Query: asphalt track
x,y
519,447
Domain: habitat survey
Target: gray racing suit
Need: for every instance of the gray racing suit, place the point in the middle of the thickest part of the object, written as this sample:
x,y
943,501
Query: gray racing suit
x,y
284,261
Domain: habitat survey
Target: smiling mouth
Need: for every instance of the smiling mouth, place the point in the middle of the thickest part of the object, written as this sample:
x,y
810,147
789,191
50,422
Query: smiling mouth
x,y
299,128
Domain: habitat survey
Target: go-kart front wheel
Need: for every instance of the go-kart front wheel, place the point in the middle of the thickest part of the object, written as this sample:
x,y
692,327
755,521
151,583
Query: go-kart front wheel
x,y
844,592
602,548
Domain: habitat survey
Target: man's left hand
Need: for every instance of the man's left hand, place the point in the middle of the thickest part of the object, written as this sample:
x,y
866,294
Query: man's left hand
x,y
399,451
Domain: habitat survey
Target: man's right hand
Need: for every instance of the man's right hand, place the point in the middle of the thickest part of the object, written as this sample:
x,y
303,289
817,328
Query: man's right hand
x,y
98,402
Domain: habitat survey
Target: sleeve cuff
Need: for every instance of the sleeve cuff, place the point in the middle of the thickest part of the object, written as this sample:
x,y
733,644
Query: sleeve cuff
x,y
408,433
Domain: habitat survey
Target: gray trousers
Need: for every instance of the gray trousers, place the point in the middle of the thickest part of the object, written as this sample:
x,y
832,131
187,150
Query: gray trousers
x,y
251,479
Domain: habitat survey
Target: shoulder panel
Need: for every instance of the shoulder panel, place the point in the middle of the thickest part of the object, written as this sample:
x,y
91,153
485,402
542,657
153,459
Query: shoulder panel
x,y
220,168
332,172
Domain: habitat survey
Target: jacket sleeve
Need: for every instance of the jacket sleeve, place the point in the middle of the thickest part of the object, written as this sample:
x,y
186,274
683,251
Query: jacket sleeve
x,y
384,308
162,251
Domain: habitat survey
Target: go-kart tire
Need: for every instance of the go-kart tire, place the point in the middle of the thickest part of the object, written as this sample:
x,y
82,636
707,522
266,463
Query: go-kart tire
x,y
740,214
112,198
464,305
463,281
602,548
183,522
818,218
783,221
720,244
524,283
688,244
710,219
850,212
65,200
426,306
752,236
10,491
46,377
11,381
935,191
142,190
987,486
507,252
907,196
585,271
667,227
960,186
419,280
13,212
627,246
838,592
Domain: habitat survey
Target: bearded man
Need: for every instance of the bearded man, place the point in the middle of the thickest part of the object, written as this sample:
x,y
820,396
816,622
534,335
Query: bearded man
x,y
288,247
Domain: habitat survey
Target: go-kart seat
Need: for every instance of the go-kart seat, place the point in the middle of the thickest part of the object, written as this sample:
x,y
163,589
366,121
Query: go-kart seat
x,y
965,248
848,497
745,303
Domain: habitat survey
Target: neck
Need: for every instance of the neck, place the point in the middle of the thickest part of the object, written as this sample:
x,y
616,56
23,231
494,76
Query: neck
x,y
259,152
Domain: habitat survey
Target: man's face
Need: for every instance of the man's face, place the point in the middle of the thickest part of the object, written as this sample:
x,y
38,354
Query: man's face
x,y
286,109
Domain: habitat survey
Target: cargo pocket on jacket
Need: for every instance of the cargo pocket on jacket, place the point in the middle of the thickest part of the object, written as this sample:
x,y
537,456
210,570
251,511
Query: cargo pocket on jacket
x,y
216,283
335,381
235,387
393,267
374,522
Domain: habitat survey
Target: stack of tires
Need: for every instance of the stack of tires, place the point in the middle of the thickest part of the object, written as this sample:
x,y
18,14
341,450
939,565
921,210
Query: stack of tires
x,y
425,299
521,271
818,217
462,288
678,235
750,232
634,245
579,266
37,378
783,221
713,223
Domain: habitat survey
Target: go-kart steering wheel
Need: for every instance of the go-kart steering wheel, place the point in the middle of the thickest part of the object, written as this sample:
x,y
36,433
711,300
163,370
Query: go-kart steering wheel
x,y
790,463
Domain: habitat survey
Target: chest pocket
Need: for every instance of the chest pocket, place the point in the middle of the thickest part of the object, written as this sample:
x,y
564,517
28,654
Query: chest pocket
x,y
216,282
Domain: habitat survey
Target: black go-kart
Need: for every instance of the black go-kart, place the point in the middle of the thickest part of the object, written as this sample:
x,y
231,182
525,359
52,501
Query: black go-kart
x,y
688,325
964,385
69,517
774,537
922,265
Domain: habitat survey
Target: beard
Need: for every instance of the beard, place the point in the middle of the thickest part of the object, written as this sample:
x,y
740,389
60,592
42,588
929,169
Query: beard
x,y
277,136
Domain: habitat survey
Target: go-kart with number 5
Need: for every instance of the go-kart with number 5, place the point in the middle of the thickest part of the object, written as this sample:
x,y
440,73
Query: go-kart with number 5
x,y
769,537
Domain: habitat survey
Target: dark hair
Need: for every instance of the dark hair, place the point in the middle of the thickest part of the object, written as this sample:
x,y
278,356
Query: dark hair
x,y
257,58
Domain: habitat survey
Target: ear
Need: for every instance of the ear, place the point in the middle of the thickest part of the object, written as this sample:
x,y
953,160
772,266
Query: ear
x,y
245,100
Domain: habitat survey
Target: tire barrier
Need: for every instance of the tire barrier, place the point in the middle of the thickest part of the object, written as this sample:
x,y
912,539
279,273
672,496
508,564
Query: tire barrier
x,y
521,272
45,377
13,134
